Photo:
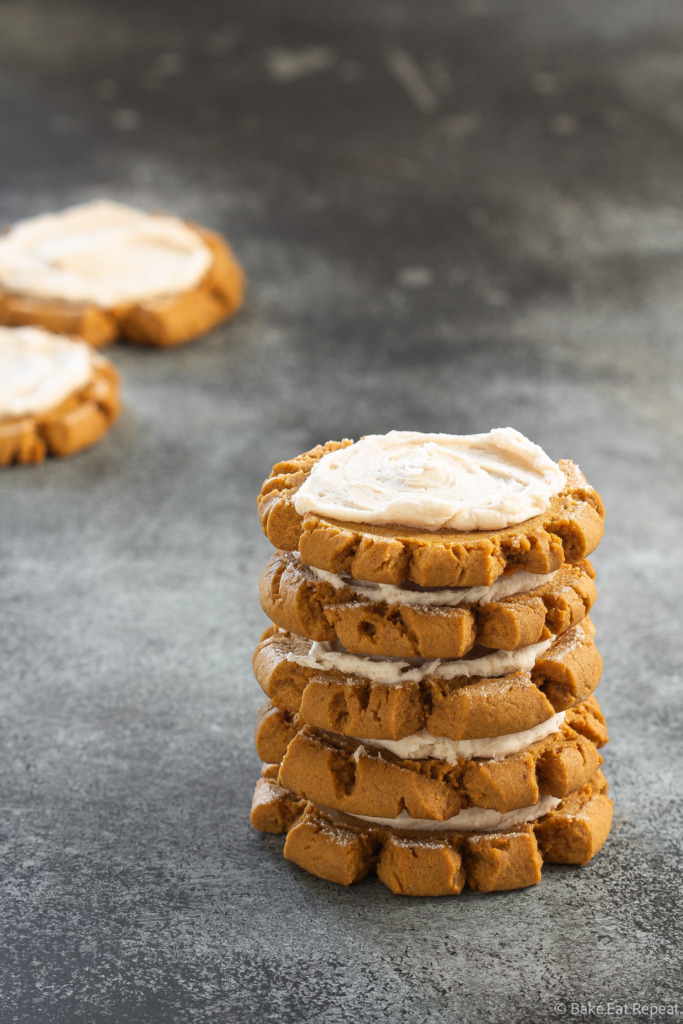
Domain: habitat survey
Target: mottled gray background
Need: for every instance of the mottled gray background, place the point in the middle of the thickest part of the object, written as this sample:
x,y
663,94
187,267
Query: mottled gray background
x,y
453,215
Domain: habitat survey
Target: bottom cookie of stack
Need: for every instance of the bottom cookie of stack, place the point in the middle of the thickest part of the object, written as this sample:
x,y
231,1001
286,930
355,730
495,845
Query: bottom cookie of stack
x,y
431,858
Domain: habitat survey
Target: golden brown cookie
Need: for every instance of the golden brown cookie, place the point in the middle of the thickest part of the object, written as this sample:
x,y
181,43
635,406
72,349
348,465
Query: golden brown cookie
x,y
160,322
335,771
295,599
273,732
568,531
78,422
342,849
460,708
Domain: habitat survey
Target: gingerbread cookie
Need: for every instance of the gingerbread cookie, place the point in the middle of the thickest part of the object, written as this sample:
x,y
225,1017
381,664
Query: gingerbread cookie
x,y
56,395
432,777
427,862
103,270
516,611
520,510
432,664
332,692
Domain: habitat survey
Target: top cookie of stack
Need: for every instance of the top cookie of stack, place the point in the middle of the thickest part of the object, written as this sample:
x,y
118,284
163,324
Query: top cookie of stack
x,y
433,509
466,555
396,521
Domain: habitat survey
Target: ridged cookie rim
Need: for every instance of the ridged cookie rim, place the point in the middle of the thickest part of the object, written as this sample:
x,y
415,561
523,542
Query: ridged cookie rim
x,y
338,849
296,601
339,773
565,675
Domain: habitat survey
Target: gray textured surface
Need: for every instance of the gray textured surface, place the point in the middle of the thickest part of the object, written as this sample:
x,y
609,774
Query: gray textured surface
x,y
453,216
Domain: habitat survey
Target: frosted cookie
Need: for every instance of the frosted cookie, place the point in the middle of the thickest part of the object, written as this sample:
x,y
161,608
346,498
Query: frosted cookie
x,y
489,852
434,777
436,510
103,270
517,610
494,694
56,395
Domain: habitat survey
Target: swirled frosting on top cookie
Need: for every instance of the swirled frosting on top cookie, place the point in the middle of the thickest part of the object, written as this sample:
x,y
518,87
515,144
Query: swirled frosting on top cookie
x,y
39,370
104,253
433,481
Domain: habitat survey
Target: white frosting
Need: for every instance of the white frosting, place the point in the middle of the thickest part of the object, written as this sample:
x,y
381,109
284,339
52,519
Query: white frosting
x,y
433,481
475,819
104,253
328,657
423,744
520,582
39,370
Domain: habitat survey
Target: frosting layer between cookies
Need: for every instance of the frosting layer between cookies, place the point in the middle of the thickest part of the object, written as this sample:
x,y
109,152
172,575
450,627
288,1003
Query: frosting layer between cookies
x,y
433,481
424,597
471,819
424,744
104,253
39,370
330,656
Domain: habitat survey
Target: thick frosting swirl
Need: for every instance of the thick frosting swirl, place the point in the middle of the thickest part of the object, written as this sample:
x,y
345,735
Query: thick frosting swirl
x,y
433,481
102,252
39,370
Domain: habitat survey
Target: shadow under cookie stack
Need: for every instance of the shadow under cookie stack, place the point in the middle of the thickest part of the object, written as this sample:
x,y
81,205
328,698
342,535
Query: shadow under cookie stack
x,y
431,667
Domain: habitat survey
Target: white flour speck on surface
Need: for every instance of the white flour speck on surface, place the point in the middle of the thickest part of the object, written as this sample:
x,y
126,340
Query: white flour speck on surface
x,y
289,65
407,72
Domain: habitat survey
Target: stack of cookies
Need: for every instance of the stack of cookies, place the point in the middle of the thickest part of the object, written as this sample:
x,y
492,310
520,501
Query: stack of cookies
x,y
431,667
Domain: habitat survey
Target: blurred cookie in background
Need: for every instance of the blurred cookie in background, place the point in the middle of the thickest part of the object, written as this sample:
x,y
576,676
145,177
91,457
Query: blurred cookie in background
x,y
103,270
57,396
